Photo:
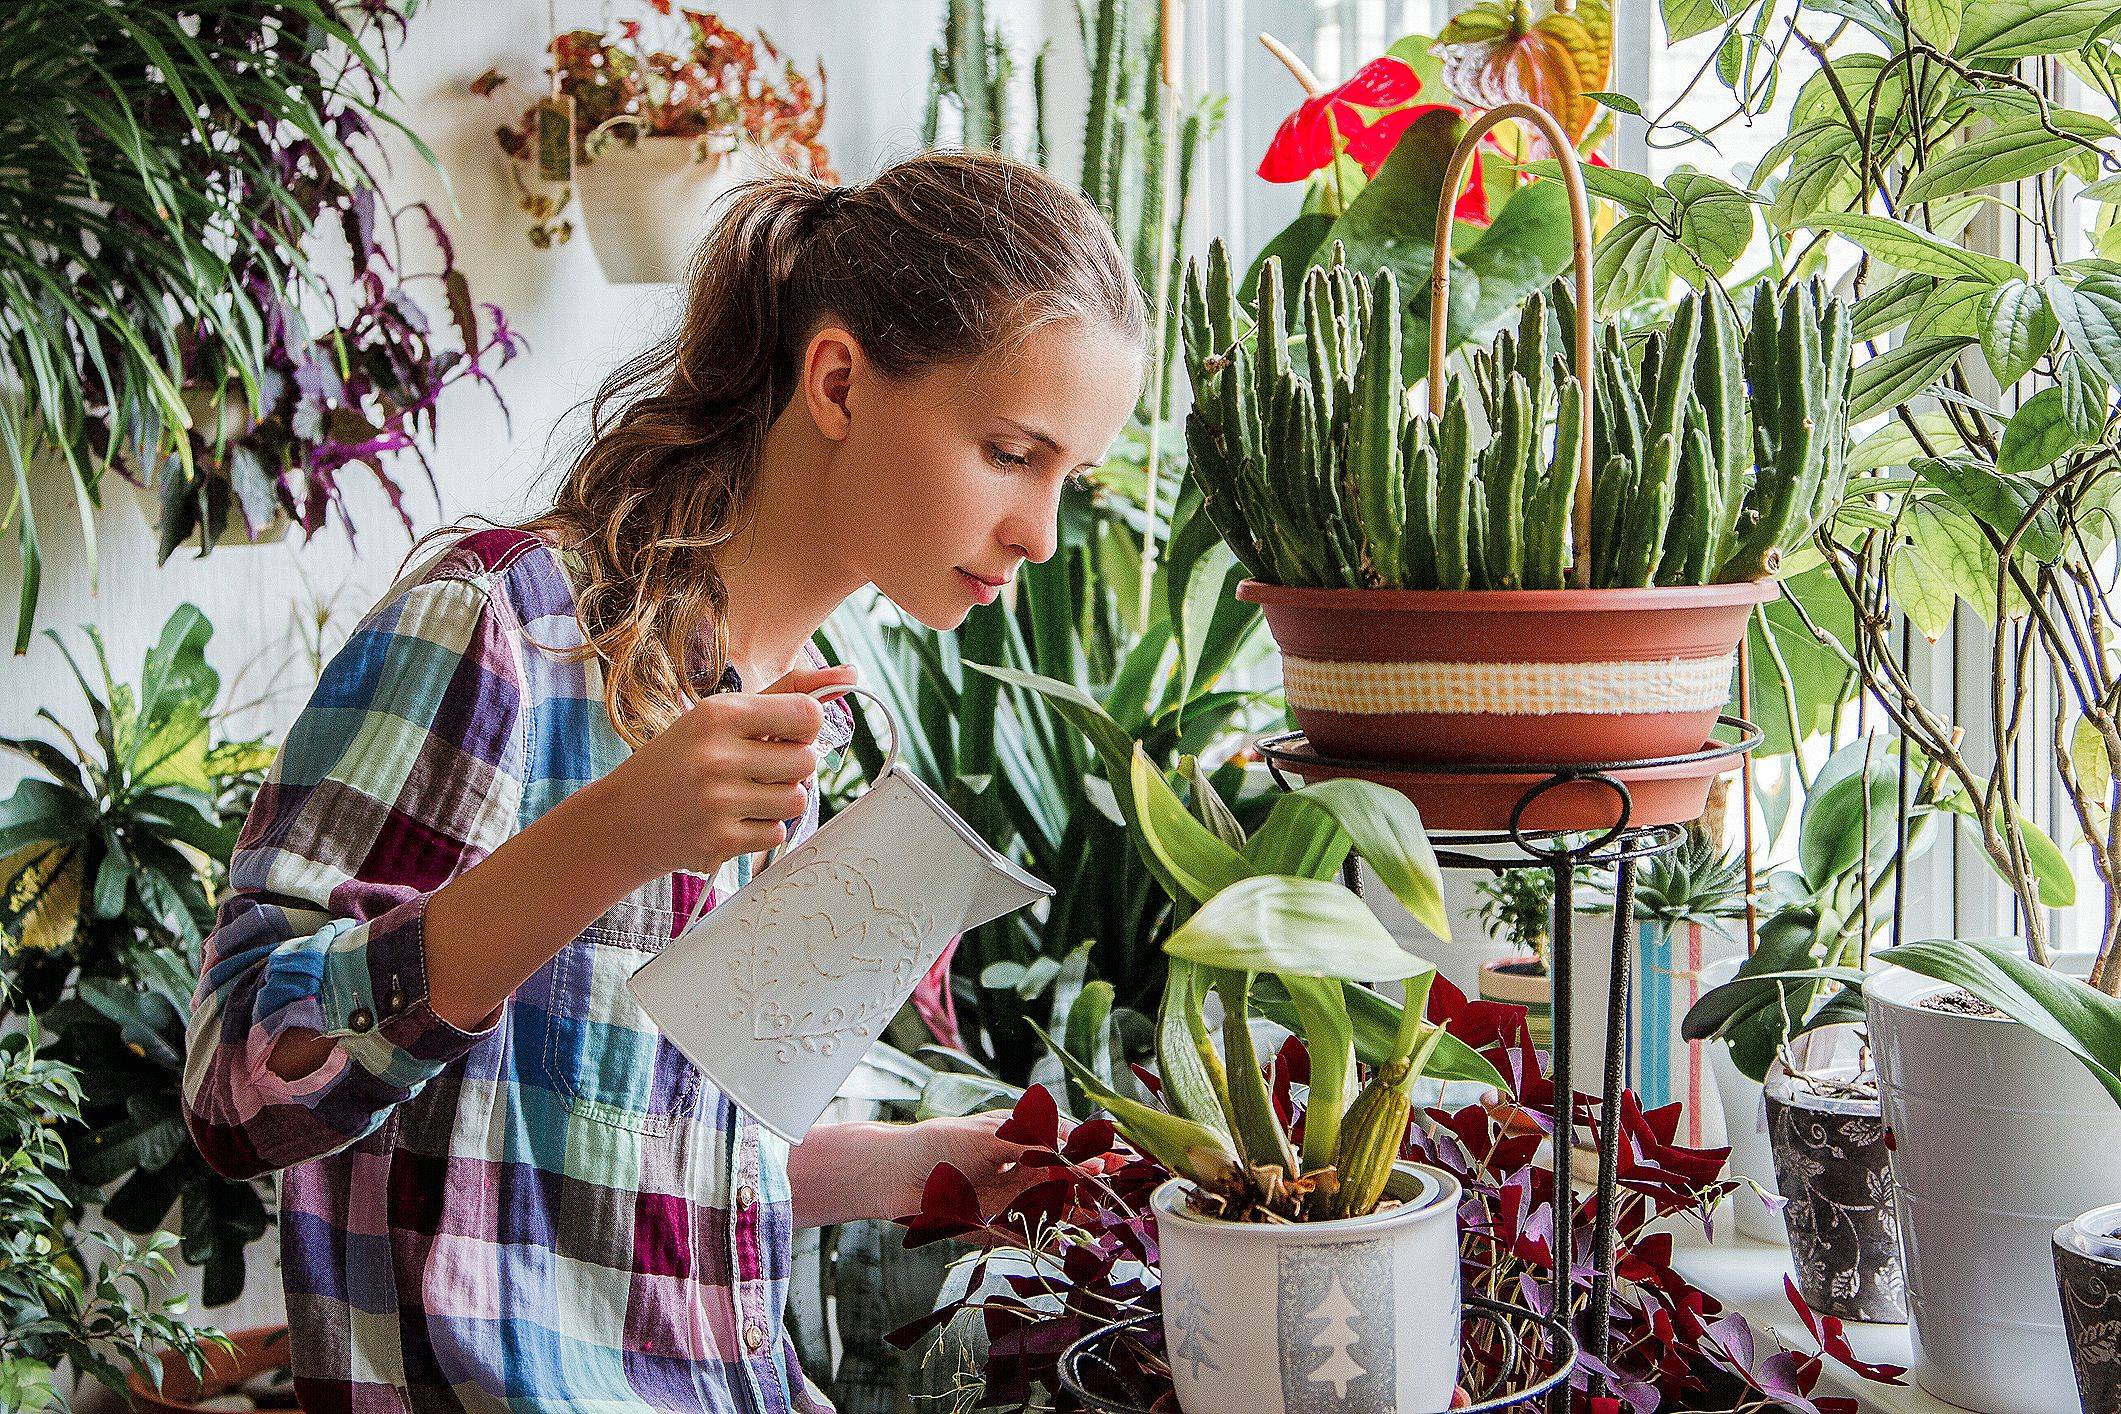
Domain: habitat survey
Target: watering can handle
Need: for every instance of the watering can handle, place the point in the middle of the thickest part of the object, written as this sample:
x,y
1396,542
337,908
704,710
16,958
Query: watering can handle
x,y
844,689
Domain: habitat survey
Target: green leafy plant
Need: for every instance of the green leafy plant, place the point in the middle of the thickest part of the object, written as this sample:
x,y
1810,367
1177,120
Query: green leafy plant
x,y
1263,923
70,1302
143,206
1517,905
1698,882
1718,443
109,860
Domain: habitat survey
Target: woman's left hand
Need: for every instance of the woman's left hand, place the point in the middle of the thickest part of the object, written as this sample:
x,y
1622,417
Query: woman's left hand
x,y
969,1144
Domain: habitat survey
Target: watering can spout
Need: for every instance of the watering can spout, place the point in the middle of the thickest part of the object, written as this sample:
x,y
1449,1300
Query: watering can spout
x,y
1002,893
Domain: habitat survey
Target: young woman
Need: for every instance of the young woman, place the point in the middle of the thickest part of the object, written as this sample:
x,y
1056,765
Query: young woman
x,y
500,1187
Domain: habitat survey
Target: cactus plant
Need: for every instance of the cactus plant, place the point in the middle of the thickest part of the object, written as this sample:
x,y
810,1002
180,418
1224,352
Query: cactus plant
x,y
1718,442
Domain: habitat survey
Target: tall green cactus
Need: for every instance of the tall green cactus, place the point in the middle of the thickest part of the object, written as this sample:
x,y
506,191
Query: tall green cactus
x,y
1716,441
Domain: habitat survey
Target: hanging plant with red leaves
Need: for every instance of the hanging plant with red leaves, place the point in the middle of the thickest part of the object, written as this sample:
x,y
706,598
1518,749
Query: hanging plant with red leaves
x,y
1077,1250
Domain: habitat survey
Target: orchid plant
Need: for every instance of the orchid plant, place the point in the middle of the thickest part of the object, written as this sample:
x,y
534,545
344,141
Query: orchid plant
x,y
1265,926
1077,1250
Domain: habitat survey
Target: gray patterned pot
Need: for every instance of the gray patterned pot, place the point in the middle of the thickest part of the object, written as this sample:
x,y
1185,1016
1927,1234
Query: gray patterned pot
x,y
1835,1172
2088,1272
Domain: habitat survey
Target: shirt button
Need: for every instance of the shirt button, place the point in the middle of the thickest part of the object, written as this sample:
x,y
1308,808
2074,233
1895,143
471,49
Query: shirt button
x,y
754,1337
362,1019
746,1196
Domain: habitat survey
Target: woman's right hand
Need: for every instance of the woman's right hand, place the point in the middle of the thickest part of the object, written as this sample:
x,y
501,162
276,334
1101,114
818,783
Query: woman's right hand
x,y
723,779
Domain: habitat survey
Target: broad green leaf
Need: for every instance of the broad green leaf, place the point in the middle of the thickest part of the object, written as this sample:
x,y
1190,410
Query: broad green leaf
x,y
1901,373
1890,306
1630,191
1934,21
1953,308
1189,852
1904,247
2017,328
2000,501
1386,830
1715,224
2051,871
1921,590
1282,924
2011,151
2040,433
1628,261
1683,19
2090,314
2017,29
1208,806
2088,757
2080,1019
1831,835
1950,544
1893,445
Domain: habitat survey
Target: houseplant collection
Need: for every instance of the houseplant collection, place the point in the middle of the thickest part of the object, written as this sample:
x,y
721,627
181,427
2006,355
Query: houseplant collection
x,y
647,135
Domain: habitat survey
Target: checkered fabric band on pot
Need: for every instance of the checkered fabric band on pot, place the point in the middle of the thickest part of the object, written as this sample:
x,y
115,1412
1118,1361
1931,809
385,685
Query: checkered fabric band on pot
x,y
1507,689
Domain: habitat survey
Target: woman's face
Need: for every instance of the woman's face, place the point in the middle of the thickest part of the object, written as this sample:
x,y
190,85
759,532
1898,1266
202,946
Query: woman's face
x,y
945,482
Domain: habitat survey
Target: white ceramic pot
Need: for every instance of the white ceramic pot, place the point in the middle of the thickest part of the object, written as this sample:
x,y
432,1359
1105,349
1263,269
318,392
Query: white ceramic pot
x,y
1358,1316
777,993
1745,1129
1998,1135
645,207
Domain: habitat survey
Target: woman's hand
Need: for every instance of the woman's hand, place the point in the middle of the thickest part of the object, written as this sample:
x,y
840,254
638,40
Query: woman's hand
x,y
723,779
967,1143
868,1169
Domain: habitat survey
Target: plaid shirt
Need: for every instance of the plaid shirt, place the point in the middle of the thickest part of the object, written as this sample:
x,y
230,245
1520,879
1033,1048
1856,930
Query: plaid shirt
x,y
557,1212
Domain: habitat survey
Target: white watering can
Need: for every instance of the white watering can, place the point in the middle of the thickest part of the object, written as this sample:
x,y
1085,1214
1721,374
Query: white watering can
x,y
779,990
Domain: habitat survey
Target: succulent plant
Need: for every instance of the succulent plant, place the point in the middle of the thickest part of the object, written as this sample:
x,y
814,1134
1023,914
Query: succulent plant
x,y
1717,444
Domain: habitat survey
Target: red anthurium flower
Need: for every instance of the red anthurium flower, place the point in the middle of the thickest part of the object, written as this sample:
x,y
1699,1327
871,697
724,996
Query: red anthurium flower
x,y
1305,141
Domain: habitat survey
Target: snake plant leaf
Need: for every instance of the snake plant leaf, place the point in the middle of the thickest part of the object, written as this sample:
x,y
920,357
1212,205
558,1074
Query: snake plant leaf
x,y
2081,1019
1282,924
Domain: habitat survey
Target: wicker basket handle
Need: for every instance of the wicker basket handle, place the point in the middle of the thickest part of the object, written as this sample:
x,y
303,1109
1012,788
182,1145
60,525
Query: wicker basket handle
x,y
1440,291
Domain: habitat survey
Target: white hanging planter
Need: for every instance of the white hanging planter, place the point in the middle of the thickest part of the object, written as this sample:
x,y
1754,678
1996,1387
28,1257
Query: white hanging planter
x,y
645,206
1999,1136
1358,1315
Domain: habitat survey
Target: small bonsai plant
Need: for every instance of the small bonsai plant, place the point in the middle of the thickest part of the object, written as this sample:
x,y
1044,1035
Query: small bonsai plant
x,y
1517,908
710,86
1717,442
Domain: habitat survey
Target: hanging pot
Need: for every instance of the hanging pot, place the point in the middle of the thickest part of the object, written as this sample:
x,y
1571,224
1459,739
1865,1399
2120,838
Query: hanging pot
x,y
2088,1272
1832,1161
1355,1316
646,205
1999,1136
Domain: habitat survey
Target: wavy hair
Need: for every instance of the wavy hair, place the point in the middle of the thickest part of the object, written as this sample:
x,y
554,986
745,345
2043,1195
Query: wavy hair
x,y
941,259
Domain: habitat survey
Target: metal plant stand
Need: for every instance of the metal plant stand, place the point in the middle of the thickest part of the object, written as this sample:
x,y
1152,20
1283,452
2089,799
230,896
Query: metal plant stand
x,y
1620,846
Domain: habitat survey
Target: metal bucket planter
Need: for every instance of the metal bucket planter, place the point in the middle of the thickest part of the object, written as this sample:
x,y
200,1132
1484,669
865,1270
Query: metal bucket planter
x,y
1835,1168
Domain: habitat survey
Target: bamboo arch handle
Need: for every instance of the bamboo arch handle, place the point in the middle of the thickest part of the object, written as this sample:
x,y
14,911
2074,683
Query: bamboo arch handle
x,y
1440,291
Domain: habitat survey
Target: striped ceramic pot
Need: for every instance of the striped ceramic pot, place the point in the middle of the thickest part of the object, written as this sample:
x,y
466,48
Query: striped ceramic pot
x,y
1534,676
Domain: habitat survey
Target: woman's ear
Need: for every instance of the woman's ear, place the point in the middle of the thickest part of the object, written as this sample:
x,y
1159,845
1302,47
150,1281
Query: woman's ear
x,y
830,365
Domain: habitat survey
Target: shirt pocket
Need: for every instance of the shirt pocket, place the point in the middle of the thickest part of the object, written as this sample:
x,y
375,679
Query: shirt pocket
x,y
603,1055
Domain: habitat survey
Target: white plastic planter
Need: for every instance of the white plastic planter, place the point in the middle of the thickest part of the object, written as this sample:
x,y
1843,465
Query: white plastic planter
x,y
1999,1136
1358,1316
645,207
1745,1130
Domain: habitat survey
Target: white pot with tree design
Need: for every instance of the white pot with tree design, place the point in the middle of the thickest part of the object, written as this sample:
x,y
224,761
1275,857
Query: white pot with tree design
x,y
1356,1315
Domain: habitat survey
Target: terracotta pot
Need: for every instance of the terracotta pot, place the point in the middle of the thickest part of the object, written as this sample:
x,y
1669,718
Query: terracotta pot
x,y
1483,801
2088,1273
1536,676
258,1351
1832,1161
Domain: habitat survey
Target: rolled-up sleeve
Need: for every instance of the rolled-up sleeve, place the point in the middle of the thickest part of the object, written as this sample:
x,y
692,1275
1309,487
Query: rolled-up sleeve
x,y
404,770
